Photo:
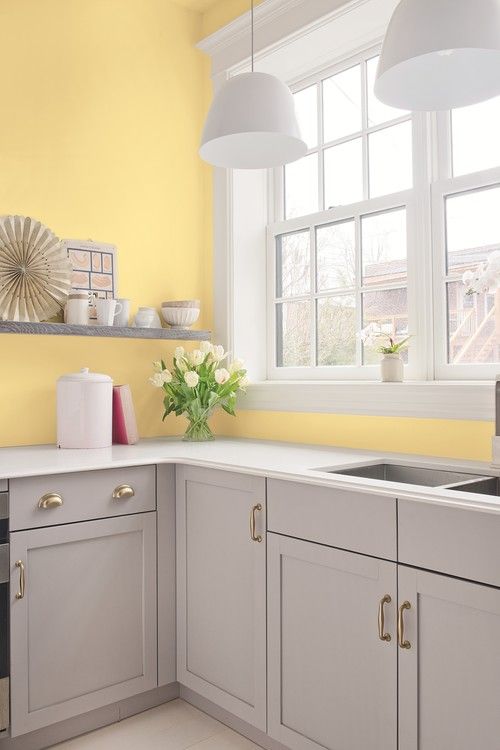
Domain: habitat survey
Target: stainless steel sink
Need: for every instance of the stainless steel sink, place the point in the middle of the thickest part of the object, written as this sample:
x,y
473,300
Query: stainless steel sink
x,y
418,475
481,485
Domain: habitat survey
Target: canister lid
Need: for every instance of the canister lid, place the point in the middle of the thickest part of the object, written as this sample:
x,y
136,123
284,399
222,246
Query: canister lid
x,y
85,376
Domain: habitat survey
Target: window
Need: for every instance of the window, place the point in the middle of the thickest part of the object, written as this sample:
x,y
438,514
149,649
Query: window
x,y
355,239
340,251
358,148
466,208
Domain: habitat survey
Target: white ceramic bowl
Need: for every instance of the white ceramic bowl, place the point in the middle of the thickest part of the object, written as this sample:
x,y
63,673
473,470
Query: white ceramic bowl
x,y
180,317
182,303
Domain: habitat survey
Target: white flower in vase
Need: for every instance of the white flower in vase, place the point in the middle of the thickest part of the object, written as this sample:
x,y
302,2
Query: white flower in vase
x,y
191,378
179,352
157,380
222,376
236,366
196,357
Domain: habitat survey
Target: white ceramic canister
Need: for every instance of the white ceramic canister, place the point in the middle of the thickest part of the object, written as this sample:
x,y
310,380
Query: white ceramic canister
x,y
84,410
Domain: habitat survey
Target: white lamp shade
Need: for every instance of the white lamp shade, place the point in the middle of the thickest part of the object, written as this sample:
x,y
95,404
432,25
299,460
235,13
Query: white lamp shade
x,y
252,124
440,54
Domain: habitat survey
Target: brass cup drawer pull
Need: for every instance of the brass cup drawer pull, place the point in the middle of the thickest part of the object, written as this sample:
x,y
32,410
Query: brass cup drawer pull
x,y
123,492
22,579
381,619
401,626
253,536
50,500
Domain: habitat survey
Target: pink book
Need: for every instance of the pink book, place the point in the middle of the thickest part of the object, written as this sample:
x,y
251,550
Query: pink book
x,y
124,421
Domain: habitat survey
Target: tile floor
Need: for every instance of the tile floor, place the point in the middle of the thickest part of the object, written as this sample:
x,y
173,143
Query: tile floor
x,y
172,726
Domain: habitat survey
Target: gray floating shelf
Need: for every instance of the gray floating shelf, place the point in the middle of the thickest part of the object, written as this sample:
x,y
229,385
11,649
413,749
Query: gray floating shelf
x,y
63,329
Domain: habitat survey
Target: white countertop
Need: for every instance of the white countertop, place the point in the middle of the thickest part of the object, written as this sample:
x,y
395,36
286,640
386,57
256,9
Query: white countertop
x,y
287,461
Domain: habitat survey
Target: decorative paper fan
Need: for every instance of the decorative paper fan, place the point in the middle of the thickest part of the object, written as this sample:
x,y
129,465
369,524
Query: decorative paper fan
x,y
35,272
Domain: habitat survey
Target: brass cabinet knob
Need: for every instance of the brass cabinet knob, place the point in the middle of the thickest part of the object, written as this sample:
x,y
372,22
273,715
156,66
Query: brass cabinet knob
x,y
50,500
123,492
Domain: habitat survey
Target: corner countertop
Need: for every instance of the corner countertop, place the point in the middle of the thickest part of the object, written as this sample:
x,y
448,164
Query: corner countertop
x,y
288,461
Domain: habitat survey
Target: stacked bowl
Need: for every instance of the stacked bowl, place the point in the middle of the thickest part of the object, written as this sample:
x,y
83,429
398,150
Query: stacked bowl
x,y
181,313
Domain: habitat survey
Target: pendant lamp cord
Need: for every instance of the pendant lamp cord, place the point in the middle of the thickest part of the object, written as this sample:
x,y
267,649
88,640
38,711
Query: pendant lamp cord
x,y
252,22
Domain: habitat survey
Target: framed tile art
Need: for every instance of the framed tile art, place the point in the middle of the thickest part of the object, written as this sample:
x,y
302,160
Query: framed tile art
x,y
94,269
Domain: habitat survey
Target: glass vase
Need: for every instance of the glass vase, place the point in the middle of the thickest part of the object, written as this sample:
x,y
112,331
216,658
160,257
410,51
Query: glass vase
x,y
198,431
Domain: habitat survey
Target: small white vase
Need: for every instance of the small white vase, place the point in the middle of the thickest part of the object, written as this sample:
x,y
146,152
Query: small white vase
x,y
392,368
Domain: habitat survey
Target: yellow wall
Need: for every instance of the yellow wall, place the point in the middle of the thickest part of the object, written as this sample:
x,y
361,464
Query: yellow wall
x,y
103,103
222,12
101,117
431,437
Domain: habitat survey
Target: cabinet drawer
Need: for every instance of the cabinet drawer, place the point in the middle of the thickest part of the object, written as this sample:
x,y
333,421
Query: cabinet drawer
x,y
85,495
456,541
347,519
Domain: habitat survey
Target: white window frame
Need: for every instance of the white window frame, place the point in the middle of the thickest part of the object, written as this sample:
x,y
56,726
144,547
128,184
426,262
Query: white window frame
x,y
447,185
413,200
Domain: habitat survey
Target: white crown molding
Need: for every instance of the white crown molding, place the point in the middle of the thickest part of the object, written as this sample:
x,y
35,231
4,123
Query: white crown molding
x,y
275,21
433,400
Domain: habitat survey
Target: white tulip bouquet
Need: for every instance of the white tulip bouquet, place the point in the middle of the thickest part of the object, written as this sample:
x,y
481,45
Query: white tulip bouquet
x,y
198,384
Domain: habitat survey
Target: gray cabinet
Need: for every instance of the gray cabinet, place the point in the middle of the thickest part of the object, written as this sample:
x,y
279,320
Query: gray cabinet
x,y
449,677
83,635
221,589
332,678
82,496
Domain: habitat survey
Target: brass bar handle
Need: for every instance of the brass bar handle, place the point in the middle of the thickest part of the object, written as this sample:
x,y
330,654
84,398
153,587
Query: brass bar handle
x,y
50,500
401,626
123,492
381,620
22,580
253,536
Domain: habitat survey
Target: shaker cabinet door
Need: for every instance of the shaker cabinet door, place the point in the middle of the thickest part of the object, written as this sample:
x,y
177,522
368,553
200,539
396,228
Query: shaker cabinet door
x,y
449,673
221,589
83,618
332,679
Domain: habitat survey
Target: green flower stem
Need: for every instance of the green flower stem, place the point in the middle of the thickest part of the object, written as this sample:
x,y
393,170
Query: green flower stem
x,y
199,431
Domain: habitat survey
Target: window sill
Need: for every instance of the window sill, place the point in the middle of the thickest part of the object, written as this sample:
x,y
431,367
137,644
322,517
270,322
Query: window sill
x,y
472,400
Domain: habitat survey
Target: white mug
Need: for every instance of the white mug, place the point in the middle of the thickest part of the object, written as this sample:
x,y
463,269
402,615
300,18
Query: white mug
x,y
122,315
77,309
106,311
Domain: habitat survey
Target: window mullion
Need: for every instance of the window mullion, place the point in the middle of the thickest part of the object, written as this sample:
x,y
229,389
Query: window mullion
x,y
314,316
321,153
364,121
358,292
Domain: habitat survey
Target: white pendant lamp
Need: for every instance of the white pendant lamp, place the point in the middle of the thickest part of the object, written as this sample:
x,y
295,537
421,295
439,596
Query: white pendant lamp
x,y
252,123
440,54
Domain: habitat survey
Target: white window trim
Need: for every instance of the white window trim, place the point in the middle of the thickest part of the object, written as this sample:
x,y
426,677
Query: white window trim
x,y
441,190
296,19
415,201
